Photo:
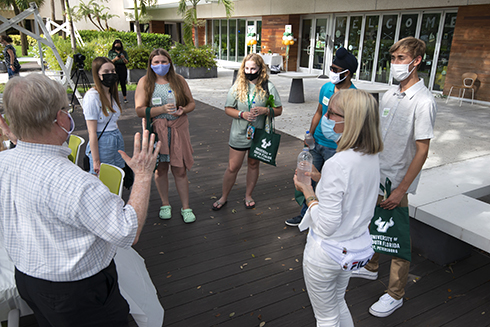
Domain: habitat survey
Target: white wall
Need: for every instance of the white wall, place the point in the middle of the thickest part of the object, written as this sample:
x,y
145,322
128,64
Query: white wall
x,y
116,8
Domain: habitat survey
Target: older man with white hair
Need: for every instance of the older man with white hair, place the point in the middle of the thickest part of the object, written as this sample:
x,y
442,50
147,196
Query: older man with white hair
x,y
60,225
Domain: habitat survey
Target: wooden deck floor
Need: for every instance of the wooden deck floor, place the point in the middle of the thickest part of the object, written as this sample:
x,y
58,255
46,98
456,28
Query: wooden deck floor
x,y
239,267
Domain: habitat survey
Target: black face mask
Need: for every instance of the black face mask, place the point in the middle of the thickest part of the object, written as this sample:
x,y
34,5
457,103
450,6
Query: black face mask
x,y
109,80
117,48
251,77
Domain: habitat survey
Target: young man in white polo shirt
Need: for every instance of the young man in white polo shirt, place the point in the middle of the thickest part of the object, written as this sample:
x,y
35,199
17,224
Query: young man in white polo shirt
x,y
407,114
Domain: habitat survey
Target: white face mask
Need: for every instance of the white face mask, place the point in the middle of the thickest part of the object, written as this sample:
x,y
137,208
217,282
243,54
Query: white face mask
x,y
400,71
335,77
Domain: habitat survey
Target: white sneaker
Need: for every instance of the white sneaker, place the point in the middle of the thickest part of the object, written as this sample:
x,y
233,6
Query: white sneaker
x,y
385,306
364,273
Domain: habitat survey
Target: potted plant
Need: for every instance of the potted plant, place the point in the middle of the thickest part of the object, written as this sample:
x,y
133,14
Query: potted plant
x,y
192,62
138,63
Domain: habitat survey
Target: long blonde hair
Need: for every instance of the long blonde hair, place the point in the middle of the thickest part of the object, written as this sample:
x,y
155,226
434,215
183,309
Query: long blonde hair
x,y
361,121
106,104
173,78
241,84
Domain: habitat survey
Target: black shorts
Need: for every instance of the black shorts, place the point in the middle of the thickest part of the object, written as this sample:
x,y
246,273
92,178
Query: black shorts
x,y
240,149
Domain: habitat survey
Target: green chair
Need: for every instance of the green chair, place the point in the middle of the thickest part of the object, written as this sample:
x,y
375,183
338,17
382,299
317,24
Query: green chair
x,y
112,177
74,143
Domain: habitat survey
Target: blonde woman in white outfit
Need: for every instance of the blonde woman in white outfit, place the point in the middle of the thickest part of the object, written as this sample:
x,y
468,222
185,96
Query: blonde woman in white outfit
x,y
339,213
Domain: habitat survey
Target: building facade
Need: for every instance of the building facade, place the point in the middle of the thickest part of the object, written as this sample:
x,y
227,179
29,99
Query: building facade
x,y
455,32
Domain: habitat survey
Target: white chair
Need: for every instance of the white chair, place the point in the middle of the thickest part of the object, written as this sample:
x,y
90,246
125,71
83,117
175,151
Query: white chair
x,y
11,304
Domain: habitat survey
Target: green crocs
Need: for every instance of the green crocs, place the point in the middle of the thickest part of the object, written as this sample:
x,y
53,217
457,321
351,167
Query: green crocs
x,y
188,215
165,212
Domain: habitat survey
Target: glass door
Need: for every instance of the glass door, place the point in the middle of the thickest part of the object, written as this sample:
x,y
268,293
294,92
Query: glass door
x,y
316,41
305,46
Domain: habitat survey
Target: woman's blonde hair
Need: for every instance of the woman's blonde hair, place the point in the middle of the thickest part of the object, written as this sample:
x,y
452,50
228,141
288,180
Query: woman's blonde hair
x,y
175,81
361,121
106,104
241,83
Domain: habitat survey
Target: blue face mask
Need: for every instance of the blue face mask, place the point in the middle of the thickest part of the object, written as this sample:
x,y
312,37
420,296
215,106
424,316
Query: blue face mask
x,y
161,70
327,129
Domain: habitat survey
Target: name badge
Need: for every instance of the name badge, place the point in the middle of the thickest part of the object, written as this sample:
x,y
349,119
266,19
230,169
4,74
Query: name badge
x,y
326,101
386,111
156,101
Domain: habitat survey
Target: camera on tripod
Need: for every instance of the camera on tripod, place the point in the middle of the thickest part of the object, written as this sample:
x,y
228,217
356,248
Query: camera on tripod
x,y
79,60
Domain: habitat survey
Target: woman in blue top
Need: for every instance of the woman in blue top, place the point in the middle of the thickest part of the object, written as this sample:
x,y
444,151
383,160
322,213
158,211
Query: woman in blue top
x,y
170,123
101,108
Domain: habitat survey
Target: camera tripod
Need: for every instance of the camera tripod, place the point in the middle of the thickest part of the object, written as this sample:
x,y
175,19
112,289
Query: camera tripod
x,y
82,77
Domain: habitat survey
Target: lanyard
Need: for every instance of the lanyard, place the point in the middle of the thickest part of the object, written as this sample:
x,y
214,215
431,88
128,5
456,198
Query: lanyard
x,y
250,102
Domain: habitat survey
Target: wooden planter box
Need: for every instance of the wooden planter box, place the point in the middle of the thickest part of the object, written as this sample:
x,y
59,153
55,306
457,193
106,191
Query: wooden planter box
x,y
200,72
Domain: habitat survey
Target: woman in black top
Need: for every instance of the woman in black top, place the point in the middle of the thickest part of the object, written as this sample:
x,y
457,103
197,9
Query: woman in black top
x,y
13,66
119,58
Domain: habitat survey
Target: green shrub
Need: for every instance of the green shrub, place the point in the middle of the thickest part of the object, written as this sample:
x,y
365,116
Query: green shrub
x,y
129,39
190,56
138,57
63,47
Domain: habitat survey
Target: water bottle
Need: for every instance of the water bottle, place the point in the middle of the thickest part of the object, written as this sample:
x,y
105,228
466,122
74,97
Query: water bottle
x,y
252,110
309,140
171,98
305,164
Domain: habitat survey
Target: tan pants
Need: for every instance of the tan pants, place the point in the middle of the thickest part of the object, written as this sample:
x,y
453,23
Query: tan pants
x,y
399,268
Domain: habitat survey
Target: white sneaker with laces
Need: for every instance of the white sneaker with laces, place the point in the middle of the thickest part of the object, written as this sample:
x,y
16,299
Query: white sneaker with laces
x,y
364,273
385,306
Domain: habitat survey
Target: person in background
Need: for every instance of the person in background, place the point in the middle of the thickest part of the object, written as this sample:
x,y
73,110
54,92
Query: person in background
x,y
342,70
119,58
408,114
341,208
10,56
61,226
252,87
102,109
171,123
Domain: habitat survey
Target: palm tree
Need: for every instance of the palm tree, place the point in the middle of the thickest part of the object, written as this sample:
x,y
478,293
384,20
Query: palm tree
x,y
140,15
69,15
189,14
19,6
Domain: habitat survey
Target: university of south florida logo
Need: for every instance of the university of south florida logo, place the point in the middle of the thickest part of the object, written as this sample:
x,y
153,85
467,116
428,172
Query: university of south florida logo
x,y
383,225
265,144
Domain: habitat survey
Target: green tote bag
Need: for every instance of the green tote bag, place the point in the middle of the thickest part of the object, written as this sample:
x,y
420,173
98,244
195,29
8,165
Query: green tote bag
x,y
390,229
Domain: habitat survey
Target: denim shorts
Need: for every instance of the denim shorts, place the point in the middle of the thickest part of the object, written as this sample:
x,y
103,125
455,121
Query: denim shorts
x,y
109,143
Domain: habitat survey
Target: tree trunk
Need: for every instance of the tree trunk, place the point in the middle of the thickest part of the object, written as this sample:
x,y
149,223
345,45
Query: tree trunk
x,y
53,16
72,30
196,40
63,15
138,32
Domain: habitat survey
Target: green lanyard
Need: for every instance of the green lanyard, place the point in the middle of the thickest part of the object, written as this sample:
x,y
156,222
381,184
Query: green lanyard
x,y
250,102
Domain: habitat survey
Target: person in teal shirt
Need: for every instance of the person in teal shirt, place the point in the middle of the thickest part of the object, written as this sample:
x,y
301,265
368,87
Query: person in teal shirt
x,y
119,58
343,68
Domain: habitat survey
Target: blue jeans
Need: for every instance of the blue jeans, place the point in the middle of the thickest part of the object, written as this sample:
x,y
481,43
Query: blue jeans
x,y
109,143
320,154
11,72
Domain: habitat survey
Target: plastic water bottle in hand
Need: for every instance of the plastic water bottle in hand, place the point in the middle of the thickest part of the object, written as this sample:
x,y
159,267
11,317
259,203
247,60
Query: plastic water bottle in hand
x,y
309,140
252,110
305,164
171,99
